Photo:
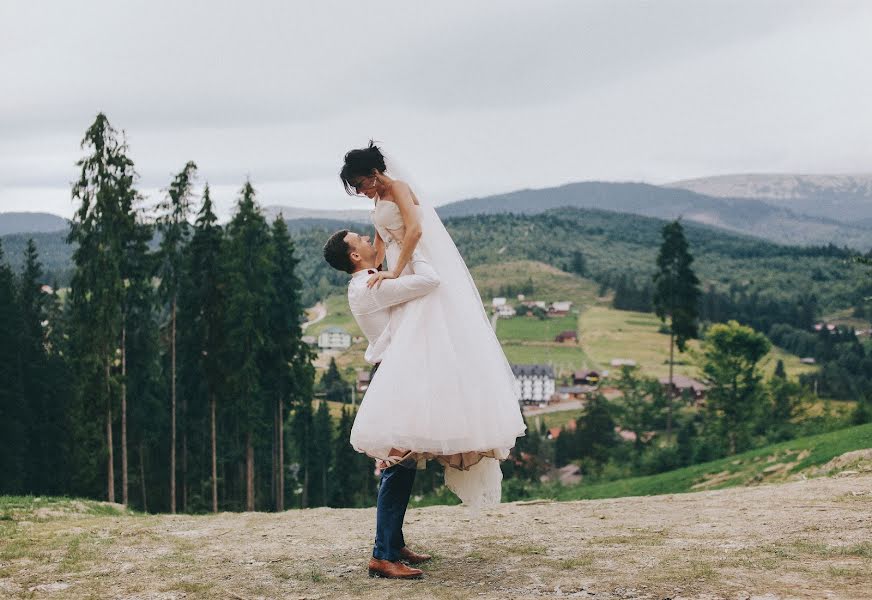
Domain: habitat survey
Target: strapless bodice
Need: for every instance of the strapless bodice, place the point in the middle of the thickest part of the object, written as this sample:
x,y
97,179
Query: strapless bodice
x,y
388,222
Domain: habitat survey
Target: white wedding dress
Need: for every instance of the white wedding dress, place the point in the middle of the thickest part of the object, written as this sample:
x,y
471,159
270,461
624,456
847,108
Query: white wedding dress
x,y
444,388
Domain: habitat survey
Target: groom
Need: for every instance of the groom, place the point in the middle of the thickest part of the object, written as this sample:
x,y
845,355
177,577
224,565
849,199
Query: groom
x,y
373,308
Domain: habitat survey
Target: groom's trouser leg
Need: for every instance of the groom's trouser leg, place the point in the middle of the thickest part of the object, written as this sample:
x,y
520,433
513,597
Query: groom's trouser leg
x,y
394,491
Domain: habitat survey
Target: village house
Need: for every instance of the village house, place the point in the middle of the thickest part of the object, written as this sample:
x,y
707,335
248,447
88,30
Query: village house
x,y
586,377
573,392
505,311
334,338
682,384
566,337
559,309
535,304
534,384
497,302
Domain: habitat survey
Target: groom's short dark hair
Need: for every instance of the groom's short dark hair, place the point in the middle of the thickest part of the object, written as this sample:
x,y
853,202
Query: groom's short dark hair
x,y
337,250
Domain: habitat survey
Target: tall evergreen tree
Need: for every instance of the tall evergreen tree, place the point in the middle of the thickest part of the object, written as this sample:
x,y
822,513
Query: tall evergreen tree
x,y
302,425
286,346
106,196
136,310
323,446
334,385
34,362
175,229
13,434
676,296
249,262
202,302
578,265
352,471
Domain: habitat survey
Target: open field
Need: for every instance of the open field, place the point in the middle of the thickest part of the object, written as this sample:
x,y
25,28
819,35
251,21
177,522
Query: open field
x,y
607,333
534,329
804,539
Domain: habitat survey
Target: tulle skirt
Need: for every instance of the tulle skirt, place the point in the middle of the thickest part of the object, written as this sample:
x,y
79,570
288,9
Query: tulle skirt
x,y
444,386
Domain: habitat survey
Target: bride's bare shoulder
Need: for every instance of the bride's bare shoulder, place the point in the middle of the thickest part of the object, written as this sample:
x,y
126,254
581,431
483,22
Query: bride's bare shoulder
x,y
400,188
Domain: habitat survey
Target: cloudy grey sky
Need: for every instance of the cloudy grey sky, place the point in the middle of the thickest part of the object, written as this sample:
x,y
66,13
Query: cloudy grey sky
x,y
471,97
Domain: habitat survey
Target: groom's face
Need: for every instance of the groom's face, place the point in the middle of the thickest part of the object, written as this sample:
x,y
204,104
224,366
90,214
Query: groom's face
x,y
360,248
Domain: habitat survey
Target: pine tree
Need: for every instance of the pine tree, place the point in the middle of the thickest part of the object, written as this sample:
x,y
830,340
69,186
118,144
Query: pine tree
x,y
249,262
578,266
32,350
335,387
203,305
286,346
302,425
175,229
352,471
676,296
106,195
323,446
13,435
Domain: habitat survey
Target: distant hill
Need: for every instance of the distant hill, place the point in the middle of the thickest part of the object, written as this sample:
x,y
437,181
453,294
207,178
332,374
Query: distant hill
x,y
291,213
740,215
30,222
612,243
845,198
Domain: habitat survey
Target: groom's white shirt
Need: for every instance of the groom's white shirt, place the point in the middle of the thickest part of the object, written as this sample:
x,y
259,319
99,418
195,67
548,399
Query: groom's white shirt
x,y
373,308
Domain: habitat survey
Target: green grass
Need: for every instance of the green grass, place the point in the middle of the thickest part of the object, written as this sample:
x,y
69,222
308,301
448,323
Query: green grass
x,y
14,508
564,358
534,329
338,315
607,333
740,469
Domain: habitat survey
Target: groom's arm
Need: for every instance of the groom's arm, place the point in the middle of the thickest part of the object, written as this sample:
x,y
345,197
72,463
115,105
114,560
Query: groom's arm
x,y
422,281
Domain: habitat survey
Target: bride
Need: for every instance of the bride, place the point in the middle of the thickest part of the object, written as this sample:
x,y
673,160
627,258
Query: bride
x,y
444,389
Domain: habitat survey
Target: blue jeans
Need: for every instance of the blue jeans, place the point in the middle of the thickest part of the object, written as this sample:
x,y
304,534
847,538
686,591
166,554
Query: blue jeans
x,y
394,490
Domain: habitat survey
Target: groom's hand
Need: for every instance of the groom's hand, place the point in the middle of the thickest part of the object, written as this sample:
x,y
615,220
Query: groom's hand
x,y
375,280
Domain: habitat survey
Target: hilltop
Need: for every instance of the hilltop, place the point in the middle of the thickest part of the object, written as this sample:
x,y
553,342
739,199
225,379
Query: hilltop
x,y
845,198
804,539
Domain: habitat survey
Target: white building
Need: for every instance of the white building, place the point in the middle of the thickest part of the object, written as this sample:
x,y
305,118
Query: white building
x,y
560,308
498,302
533,383
334,337
505,311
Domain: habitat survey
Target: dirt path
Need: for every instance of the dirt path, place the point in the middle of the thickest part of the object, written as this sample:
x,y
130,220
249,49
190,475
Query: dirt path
x,y
320,314
806,539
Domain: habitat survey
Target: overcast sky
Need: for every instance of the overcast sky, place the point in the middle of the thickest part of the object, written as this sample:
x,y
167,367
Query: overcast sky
x,y
471,97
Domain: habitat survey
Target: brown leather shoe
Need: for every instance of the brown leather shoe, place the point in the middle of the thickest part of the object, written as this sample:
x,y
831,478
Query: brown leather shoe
x,y
413,558
392,570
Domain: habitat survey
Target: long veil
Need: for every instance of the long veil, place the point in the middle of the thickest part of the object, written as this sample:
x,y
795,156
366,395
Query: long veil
x,y
460,361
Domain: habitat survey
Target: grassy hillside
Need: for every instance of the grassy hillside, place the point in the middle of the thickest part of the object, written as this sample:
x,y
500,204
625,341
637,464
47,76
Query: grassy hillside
x,y
775,463
604,333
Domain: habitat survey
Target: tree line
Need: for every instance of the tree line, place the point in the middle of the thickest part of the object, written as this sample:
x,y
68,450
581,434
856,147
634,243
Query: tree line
x,y
171,376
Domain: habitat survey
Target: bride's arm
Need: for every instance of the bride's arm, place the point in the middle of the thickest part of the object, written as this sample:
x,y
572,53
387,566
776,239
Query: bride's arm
x,y
402,194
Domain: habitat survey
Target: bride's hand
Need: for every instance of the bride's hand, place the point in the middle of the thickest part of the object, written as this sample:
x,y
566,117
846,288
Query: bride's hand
x,y
376,279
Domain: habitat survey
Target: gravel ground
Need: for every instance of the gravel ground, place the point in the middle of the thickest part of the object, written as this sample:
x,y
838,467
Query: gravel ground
x,y
804,539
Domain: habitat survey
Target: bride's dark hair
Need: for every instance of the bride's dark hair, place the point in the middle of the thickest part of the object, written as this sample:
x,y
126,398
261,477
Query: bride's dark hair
x,y
359,163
